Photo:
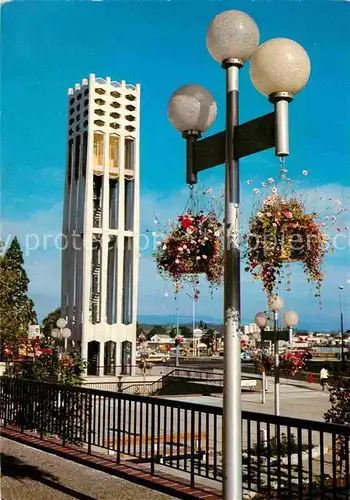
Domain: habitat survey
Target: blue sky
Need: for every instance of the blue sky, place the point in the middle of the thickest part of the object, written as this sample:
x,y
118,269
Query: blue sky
x,y
48,46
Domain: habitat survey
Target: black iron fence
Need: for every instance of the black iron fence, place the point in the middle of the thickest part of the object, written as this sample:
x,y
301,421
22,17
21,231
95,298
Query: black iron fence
x,y
283,457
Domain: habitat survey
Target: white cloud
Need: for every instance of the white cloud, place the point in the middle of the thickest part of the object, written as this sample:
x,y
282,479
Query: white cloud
x,y
5,1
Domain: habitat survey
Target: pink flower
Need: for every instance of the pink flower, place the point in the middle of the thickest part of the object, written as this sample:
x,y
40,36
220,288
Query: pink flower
x,y
287,214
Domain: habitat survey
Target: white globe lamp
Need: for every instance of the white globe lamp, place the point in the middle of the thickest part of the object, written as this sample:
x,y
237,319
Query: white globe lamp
x,y
290,318
56,332
276,303
66,333
192,108
61,323
232,35
261,320
280,65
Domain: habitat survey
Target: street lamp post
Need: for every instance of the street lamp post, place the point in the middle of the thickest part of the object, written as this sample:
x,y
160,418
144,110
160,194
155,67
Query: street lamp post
x,y
341,288
62,332
280,68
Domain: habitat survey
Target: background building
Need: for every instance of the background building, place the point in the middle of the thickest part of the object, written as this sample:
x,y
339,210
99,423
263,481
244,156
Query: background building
x,y
101,223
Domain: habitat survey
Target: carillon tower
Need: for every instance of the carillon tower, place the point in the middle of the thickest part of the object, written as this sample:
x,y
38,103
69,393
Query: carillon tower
x,y
101,223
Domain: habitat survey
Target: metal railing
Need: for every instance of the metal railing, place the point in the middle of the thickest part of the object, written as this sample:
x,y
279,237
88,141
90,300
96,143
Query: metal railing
x,y
283,457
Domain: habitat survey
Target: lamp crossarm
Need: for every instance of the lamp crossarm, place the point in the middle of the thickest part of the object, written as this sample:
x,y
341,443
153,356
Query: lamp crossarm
x,y
249,138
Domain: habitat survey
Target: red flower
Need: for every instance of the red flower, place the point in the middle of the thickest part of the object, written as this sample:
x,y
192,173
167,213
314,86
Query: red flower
x,y
186,223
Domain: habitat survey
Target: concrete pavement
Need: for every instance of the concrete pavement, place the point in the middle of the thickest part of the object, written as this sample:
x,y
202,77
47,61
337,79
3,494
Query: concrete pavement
x,y
31,474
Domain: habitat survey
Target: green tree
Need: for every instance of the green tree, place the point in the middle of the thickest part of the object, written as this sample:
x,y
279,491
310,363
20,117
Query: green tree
x,y
156,330
339,413
60,412
49,323
16,308
184,331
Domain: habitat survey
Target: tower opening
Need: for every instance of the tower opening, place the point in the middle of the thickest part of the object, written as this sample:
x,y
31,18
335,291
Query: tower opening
x,y
127,301
129,205
129,153
95,292
97,201
113,203
112,280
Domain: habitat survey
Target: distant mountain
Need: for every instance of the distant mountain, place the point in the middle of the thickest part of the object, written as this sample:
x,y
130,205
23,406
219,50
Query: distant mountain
x,y
146,319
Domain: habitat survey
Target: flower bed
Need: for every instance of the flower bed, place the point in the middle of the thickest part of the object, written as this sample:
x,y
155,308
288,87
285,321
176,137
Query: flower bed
x,y
192,247
280,232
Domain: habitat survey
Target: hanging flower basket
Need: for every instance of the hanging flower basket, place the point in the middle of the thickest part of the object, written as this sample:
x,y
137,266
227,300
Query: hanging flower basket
x,y
282,231
192,247
289,363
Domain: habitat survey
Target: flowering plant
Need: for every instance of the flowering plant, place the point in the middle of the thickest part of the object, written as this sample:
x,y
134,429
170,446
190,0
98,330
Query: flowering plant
x,y
179,340
193,246
282,231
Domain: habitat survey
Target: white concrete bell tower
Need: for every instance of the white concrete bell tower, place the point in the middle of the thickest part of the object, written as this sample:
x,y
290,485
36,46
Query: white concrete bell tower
x,y
101,223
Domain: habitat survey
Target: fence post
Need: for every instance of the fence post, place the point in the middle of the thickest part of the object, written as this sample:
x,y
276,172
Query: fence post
x,y
90,416
119,426
263,382
192,448
152,437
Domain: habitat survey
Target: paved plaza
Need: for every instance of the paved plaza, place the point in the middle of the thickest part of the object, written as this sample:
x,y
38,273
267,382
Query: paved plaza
x,y
31,474
299,401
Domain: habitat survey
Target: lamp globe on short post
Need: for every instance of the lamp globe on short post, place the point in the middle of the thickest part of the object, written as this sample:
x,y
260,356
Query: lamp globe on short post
x,y
276,303
280,68
261,320
290,319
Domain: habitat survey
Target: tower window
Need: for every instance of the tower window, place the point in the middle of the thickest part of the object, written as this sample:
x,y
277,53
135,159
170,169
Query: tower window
x,y
86,92
130,118
129,128
130,107
115,94
71,101
115,125
113,203
115,104
98,149
77,157
97,201
71,111
95,292
130,97
69,161
86,123
129,153
100,102
129,205
86,112
78,107
127,303
112,281
100,123
113,151
71,121
79,97
84,152
86,102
